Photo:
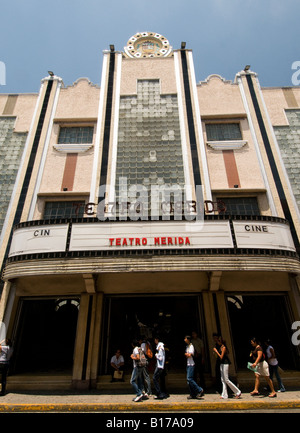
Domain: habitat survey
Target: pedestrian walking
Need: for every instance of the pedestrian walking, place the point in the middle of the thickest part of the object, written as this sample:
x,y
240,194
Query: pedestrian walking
x,y
218,382
137,372
195,390
159,372
222,354
146,376
273,365
261,368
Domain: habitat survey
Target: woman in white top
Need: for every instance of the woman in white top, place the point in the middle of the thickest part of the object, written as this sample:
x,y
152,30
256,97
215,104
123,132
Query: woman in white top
x,y
273,365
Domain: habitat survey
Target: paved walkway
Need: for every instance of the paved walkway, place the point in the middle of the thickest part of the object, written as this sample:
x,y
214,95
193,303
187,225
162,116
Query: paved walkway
x,y
105,401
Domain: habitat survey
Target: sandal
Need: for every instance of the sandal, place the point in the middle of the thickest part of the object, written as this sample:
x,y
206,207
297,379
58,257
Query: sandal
x,y
273,395
238,395
254,393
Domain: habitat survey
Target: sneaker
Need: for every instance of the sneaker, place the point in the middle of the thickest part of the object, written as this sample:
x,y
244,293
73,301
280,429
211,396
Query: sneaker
x,y
138,398
145,396
190,397
281,390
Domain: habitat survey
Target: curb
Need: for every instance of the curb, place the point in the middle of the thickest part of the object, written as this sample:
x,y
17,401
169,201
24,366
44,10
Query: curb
x,y
149,407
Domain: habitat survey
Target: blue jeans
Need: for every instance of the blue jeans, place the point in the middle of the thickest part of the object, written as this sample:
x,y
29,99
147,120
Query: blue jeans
x,y
147,381
194,387
136,380
274,369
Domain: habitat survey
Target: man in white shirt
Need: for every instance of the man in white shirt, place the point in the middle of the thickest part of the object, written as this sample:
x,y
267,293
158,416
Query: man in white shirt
x,y
159,373
195,390
117,364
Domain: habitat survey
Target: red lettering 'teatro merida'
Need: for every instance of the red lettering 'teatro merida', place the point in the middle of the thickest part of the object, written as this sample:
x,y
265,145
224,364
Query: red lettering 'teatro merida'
x,y
157,241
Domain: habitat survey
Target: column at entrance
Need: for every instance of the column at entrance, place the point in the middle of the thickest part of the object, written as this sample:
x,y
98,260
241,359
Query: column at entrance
x,y
86,354
217,320
211,326
225,328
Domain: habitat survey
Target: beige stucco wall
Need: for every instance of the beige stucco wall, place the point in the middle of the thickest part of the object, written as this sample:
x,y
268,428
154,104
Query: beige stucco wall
x,y
220,100
162,69
279,99
76,104
23,109
79,101
219,97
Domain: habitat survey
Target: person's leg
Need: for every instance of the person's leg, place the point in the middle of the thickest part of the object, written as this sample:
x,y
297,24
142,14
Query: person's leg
x,y
270,383
280,384
3,372
147,380
223,380
134,381
194,388
156,377
228,382
163,382
256,385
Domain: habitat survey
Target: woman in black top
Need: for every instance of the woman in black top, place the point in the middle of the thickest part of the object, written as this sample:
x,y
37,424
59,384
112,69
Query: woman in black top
x,y
262,368
222,354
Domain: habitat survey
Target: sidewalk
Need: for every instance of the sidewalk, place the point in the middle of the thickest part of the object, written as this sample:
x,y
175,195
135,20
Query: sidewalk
x,y
105,401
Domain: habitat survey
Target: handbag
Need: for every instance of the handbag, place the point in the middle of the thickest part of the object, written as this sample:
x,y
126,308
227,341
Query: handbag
x,y
249,366
118,374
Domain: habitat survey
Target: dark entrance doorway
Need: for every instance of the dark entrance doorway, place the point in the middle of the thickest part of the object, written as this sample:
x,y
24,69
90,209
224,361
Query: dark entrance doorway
x,y
172,317
263,317
45,336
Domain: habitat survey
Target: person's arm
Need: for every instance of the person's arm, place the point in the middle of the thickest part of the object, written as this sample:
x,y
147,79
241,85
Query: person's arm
x,y
189,352
222,354
259,357
159,356
135,356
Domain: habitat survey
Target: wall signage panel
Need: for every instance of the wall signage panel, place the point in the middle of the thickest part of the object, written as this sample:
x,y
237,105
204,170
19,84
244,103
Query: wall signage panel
x,y
269,235
39,239
149,235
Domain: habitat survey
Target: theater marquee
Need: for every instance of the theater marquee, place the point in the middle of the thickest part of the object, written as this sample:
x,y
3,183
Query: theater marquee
x,y
37,238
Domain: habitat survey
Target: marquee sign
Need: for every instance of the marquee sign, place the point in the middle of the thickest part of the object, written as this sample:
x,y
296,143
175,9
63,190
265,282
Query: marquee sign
x,y
271,235
39,239
149,235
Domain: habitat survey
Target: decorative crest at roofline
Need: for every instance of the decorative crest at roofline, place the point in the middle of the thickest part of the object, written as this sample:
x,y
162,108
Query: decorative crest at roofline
x,y
147,44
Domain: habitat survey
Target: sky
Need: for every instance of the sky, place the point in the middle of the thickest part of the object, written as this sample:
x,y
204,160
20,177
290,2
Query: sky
x,y
68,37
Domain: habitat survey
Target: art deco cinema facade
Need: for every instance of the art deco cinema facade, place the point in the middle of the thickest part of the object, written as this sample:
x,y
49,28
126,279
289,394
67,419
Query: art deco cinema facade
x,y
148,203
